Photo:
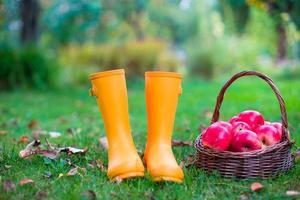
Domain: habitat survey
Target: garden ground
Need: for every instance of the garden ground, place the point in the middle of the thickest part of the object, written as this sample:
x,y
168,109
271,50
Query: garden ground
x,y
60,110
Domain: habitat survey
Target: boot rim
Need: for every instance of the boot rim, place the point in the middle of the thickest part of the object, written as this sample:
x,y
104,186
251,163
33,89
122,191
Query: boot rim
x,y
107,73
163,74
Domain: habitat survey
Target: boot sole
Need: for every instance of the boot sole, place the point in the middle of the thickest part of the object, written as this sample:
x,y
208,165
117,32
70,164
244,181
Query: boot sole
x,y
167,178
128,175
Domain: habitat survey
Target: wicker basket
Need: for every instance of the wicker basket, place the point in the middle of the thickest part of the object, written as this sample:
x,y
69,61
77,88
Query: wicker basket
x,y
262,163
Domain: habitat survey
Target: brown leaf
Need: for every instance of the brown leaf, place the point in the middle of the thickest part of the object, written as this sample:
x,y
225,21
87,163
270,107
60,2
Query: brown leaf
x,y
52,152
25,153
46,153
29,149
89,194
9,185
73,171
3,132
24,139
292,193
256,186
181,143
33,124
25,181
103,141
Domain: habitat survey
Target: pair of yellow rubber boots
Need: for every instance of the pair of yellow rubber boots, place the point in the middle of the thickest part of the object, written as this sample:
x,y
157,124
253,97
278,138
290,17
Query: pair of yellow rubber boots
x,y
162,91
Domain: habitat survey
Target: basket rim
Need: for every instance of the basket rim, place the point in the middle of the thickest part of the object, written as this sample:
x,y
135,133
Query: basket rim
x,y
238,155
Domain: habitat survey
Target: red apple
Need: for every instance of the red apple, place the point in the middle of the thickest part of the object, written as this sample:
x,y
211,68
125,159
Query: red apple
x,y
239,126
253,118
268,135
245,141
216,137
278,126
233,119
226,125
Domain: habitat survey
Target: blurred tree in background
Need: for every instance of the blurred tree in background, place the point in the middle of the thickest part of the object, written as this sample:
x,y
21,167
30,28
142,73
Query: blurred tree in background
x,y
29,14
43,42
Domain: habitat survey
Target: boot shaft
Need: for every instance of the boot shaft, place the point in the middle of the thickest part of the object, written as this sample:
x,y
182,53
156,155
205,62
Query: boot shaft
x,y
110,89
162,90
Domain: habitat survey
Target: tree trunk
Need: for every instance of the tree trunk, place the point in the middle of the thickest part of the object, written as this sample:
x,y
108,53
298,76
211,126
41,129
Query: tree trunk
x,y
29,13
281,44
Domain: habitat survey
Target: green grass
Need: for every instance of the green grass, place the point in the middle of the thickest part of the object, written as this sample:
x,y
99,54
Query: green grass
x,y
18,108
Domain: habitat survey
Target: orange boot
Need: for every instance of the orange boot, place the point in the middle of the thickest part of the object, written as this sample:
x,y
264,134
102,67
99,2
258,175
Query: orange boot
x,y
110,89
162,91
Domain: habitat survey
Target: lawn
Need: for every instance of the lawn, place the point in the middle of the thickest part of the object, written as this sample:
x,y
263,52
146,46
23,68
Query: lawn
x,y
59,110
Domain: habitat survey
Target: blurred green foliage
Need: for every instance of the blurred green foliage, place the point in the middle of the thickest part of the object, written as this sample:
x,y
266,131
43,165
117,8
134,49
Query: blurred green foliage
x,y
62,16
202,38
135,56
27,67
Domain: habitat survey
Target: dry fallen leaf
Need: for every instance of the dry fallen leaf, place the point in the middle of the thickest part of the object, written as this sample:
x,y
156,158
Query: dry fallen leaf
x,y
29,149
24,139
3,132
103,141
9,185
47,153
72,171
292,193
256,186
25,181
181,143
72,150
52,152
33,124
54,134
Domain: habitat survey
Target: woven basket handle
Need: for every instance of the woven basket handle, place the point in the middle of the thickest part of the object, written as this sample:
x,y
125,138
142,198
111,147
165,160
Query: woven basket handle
x,y
216,113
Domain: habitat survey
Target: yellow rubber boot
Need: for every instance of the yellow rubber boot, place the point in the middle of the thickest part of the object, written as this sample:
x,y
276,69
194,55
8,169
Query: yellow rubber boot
x,y
110,89
162,91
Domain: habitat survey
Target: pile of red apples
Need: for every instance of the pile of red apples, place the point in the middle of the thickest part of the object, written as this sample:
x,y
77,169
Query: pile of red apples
x,y
245,132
